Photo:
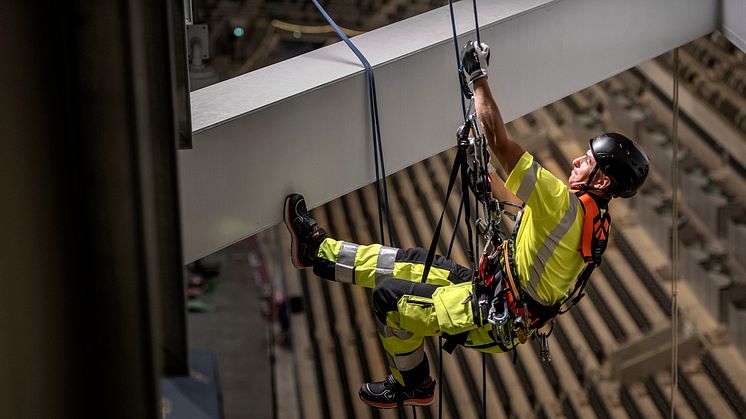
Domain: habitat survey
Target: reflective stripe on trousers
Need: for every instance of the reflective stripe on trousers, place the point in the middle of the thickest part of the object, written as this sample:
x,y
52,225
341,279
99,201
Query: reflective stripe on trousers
x,y
368,265
405,310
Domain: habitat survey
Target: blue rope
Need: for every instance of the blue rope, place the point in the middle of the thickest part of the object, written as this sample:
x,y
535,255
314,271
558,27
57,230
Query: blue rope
x,y
379,155
383,205
383,202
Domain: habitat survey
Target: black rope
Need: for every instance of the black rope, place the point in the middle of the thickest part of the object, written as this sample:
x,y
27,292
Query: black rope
x,y
464,204
383,198
476,247
484,386
455,226
458,58
458,165
379,156
440,376
476,21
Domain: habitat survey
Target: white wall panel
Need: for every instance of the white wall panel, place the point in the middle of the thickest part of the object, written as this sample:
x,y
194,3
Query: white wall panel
x,y
303,124
733,24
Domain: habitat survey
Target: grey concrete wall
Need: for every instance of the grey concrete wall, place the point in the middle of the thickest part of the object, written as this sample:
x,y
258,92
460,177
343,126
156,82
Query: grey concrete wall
x,y
303,124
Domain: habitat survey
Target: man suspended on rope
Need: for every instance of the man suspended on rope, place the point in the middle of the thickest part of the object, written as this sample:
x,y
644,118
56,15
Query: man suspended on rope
x,y
542,259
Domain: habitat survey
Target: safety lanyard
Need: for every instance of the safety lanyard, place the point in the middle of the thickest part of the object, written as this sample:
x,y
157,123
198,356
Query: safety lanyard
x,y
460,163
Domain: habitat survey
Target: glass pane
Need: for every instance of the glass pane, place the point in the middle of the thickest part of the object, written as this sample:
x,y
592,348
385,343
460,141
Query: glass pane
x,y
246,35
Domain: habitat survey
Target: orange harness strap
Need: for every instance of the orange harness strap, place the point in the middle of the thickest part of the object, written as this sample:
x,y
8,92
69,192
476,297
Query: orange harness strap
x,y
596,225
515,304
509,273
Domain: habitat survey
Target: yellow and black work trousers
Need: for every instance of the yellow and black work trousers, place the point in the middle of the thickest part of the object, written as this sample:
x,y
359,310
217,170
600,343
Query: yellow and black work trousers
x,y
406,308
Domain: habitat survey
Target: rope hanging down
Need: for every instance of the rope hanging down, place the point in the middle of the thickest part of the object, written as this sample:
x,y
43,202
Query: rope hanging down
x,y
383,207
675,236
383,198
464,205
469,121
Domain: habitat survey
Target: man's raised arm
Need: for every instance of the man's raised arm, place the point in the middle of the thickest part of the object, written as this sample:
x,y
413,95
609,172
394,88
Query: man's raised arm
x,y
475,59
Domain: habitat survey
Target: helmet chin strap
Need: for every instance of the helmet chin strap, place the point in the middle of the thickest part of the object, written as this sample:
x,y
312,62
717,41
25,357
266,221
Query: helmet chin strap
x,y
588,187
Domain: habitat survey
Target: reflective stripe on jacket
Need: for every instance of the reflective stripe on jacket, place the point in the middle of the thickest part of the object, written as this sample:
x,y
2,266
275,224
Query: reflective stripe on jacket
x,y
548,240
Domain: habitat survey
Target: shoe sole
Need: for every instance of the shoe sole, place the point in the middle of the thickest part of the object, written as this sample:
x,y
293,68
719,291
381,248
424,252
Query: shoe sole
x,y
293,237
411,402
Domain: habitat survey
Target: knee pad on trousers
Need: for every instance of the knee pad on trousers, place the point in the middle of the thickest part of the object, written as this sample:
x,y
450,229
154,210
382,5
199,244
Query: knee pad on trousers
x,y
385,299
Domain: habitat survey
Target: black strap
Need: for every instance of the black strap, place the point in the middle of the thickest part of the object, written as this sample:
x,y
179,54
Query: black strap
x,y
467,211
451,341
459,162
464,199
579,287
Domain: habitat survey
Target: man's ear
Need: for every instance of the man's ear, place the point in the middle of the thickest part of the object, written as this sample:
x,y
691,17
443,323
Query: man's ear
x,y
601,181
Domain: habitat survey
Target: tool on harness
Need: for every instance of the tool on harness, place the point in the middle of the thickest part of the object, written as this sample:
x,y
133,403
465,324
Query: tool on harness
x,y
511,312
507,312
472,161
471,155
544,353
506,309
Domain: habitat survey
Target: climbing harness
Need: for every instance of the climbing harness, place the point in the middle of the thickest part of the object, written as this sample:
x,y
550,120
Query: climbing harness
x,y
511,312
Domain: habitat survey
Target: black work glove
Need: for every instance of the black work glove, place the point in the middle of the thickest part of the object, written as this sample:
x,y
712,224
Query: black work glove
x,y
475,59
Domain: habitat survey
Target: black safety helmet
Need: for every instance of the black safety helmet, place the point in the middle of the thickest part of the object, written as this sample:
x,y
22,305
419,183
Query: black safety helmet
x,y
622,160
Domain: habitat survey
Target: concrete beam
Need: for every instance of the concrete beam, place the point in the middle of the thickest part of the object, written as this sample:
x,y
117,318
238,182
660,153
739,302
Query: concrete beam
x,y
303,125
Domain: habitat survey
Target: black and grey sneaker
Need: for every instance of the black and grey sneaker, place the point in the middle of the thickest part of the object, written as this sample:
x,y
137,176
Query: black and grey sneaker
x,y
306,235
389,393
